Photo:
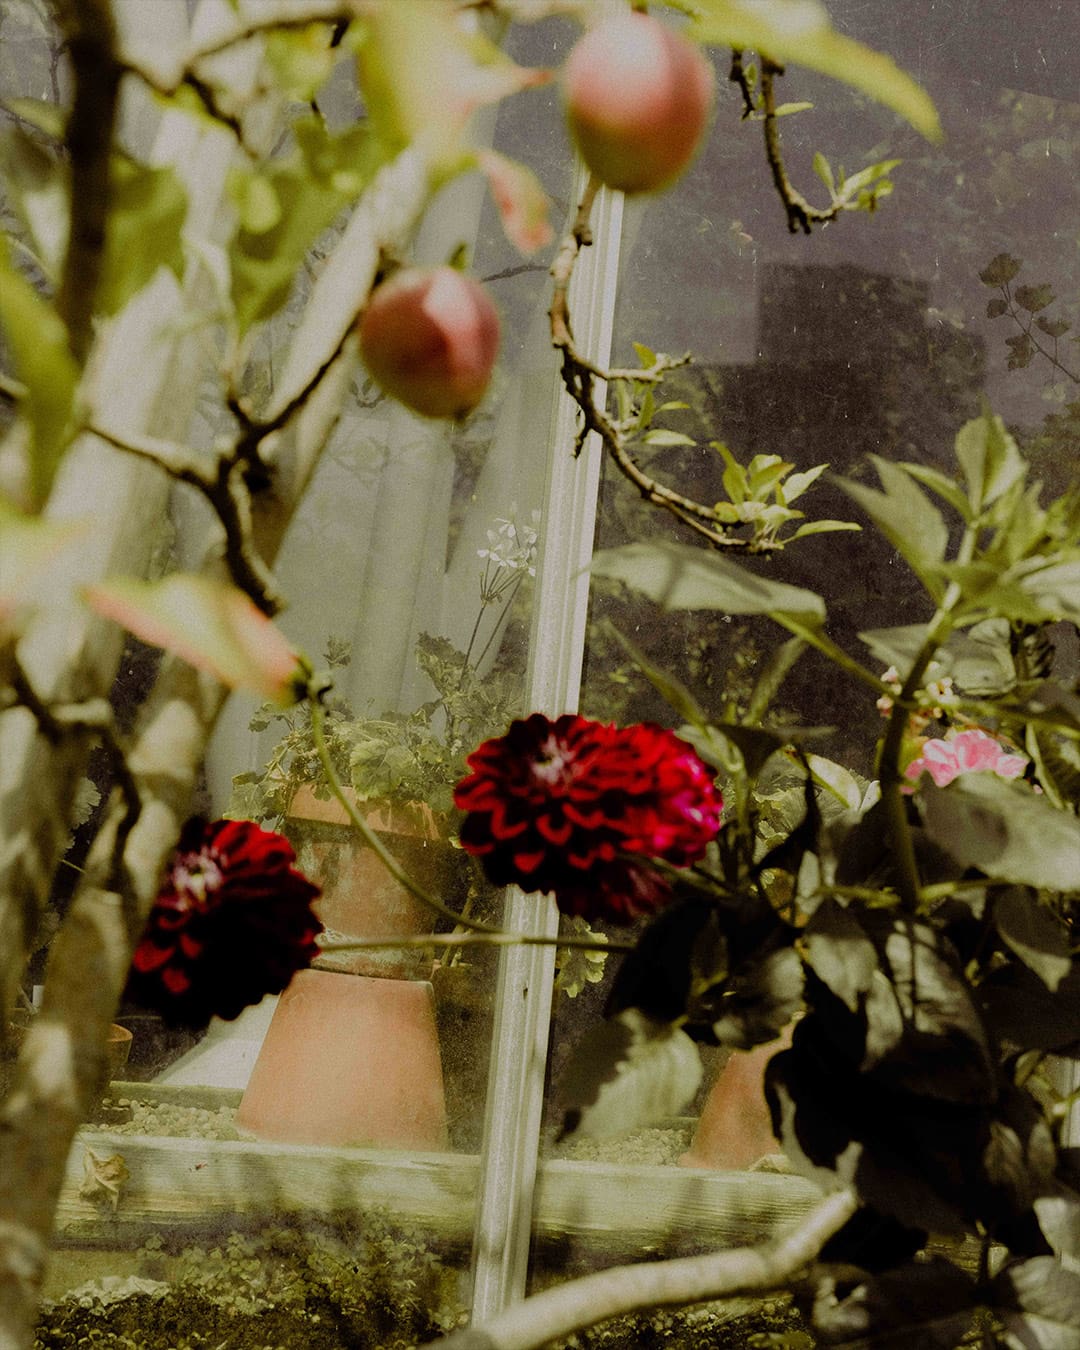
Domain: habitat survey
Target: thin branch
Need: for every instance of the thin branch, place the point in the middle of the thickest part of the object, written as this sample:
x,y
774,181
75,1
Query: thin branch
x,y
580,377
88,27
800,214
582,1303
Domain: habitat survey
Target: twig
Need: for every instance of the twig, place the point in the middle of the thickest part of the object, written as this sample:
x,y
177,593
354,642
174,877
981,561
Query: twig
x,y
91,37
625,1289
800,214
580,377
224,483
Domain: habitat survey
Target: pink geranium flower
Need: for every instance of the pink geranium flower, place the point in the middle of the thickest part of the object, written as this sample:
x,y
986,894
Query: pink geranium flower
x,y
966,752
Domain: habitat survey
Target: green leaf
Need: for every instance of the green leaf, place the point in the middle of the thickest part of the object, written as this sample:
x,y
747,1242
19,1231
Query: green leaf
x,y
1004,829
147,211
672,690
989,458
662,436
1028,930
799,32
37,183
823,169
735,483
27,545
821,527
1059,1219
945,487
284,207
843,785
768,683
213,626
907,518
38,341
1034,298
626,1073
786,109
1054,584
797,483
678,576
645,355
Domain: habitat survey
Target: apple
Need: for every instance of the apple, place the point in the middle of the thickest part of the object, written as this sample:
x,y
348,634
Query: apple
x,y
638,97
429,337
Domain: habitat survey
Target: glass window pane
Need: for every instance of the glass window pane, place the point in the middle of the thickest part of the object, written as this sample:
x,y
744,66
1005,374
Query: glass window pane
x,y
878,334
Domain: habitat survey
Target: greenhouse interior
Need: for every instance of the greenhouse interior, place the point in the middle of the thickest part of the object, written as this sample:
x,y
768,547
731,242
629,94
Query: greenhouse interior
x,y
539,546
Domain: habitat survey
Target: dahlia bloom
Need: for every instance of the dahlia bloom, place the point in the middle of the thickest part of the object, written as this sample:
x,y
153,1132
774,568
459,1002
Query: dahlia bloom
x,y
559,805
966,752
231,923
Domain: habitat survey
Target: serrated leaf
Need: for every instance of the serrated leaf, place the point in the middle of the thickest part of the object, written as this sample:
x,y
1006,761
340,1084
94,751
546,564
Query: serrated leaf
x,y
629,1072
1000,270
906,517
989,458
1006,830
521,201
678,576
1028,930
213,626
38,341
799,32
1034,298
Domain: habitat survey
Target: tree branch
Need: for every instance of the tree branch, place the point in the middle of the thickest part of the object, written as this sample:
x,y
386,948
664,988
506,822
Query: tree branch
x,y
90,33
582,1303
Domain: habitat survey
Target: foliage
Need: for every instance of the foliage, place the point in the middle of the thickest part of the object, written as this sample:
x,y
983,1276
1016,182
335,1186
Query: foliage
x,y
923,939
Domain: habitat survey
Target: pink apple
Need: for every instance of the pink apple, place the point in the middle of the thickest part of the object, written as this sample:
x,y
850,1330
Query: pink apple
x,y
638,97
429,337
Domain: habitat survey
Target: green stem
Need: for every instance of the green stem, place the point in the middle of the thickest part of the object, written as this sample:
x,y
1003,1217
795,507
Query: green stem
x,y
892,781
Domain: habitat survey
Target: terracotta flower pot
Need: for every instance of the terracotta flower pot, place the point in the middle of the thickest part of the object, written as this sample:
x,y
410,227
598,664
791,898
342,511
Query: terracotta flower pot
x,y
349,1060
734,1129
360,898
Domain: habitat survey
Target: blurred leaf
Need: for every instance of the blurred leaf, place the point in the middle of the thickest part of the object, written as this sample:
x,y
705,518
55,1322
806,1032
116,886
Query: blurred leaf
x,y
1034,298
1054,328
1000,270
27,545
38,341
928,1306
302,59
795,484
147,211
996,307
823,169
1039,1302
896,646
36,180
1037,939
423,75
1019,1008
989,458
1021,351
673,691
521,201
285,206
627,1073
677,576
798,31
213,626
906,517
1007,831
1059,1219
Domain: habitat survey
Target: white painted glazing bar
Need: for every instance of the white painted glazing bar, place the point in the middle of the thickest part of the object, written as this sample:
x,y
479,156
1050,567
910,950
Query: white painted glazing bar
x,y
515,1094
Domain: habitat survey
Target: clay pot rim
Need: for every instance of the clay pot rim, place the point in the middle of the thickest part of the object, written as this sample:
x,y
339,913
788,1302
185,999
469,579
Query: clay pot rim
x,y
415,818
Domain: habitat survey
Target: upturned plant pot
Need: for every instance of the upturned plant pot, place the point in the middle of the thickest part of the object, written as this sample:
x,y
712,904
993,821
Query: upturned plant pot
x,y
734,1130
360,898
349,1060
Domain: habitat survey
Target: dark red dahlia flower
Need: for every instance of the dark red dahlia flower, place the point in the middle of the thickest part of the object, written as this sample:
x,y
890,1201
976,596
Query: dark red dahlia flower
x,y
558,805
231,923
